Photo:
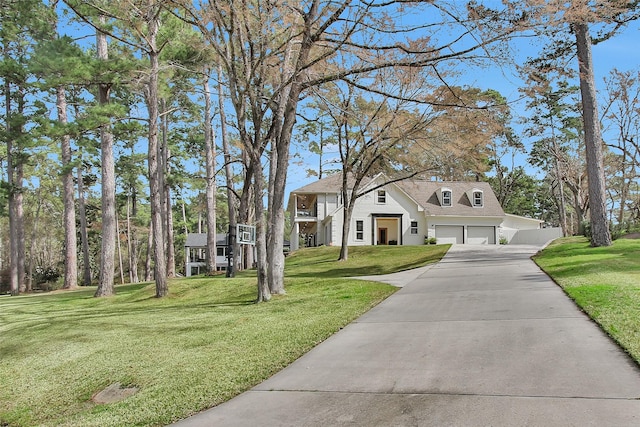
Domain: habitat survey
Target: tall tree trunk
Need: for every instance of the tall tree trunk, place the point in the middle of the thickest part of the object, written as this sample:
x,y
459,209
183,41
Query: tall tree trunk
x,y
600,234
34,235
119,246
166,194
19,212
84,234
69,214
15,174
264,293
228,172
2,245
346,223
148,268
557,152
249,253
184,215
580,211
108,249
132,239
286,116
210,156
155,184
244,207
275,254
624,189
14,222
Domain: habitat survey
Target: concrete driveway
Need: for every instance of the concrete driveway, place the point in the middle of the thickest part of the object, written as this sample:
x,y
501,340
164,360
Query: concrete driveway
x,y
483,338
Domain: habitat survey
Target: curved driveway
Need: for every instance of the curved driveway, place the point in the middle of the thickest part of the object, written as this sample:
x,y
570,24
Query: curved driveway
x,y
483,338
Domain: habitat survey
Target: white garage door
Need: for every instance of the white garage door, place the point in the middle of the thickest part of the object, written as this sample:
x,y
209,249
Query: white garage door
x,y
477,235
449,234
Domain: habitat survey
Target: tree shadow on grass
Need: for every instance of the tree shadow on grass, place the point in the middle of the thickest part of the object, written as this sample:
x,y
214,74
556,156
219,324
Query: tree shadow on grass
x,y
338,270
579,259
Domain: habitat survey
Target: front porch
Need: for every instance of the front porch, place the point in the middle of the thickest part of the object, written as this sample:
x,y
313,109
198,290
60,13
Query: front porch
x,y
387,229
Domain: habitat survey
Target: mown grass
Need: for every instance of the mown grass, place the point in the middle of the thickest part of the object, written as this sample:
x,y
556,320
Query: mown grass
x,y
604,282
194,349
362,260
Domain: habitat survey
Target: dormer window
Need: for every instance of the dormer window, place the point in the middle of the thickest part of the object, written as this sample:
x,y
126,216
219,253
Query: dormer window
x,y
478,201
446,197
382,197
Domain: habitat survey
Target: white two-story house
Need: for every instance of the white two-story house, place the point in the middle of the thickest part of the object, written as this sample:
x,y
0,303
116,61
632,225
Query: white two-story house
x,y
402,213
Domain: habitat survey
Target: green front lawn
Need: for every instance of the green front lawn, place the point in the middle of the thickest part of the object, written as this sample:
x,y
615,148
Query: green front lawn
x,y
362,260
194,349
604,282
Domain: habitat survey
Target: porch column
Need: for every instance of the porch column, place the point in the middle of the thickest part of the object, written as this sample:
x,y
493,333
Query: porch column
x,y
295,236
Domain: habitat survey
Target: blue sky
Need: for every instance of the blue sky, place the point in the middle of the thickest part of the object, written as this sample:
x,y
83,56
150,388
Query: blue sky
x,y
621,52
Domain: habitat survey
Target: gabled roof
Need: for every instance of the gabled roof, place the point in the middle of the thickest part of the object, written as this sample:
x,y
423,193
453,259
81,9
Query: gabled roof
x,y
330,184
425,193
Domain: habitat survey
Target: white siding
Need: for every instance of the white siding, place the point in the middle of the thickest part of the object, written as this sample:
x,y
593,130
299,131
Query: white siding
x,y
400,206
327,203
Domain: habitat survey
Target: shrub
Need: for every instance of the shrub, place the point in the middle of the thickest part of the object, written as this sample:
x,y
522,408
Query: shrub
x,y
46,274
5,281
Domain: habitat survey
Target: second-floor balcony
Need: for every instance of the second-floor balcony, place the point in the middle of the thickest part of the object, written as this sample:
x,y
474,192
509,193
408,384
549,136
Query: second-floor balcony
x,y
306,206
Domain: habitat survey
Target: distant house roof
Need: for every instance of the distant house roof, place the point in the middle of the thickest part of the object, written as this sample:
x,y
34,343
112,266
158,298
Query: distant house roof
x,y
330,184
425,193
199,240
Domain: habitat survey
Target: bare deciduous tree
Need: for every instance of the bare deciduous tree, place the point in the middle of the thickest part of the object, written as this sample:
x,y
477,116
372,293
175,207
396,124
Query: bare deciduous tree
x,y
622,113
274,54
210,167
372,136
577,17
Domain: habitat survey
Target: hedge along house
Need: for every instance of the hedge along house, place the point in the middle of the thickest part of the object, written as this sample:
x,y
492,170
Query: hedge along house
x,y
402,213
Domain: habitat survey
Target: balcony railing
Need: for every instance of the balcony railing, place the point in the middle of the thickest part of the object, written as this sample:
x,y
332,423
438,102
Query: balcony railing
x,y
306,213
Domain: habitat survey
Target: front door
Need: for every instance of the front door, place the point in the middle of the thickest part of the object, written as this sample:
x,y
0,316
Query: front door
x,y
382,236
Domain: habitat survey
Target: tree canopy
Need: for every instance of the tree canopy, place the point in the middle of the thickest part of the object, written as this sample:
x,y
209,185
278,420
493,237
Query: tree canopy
x,y
141,121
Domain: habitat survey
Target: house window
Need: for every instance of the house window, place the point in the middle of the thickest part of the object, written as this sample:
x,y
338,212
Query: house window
x,y
414,227
446,198
477,199
220,250
359,229
382,196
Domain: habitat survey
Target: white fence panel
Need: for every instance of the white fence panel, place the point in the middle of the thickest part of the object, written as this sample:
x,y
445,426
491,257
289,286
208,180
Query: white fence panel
x,y
533,237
